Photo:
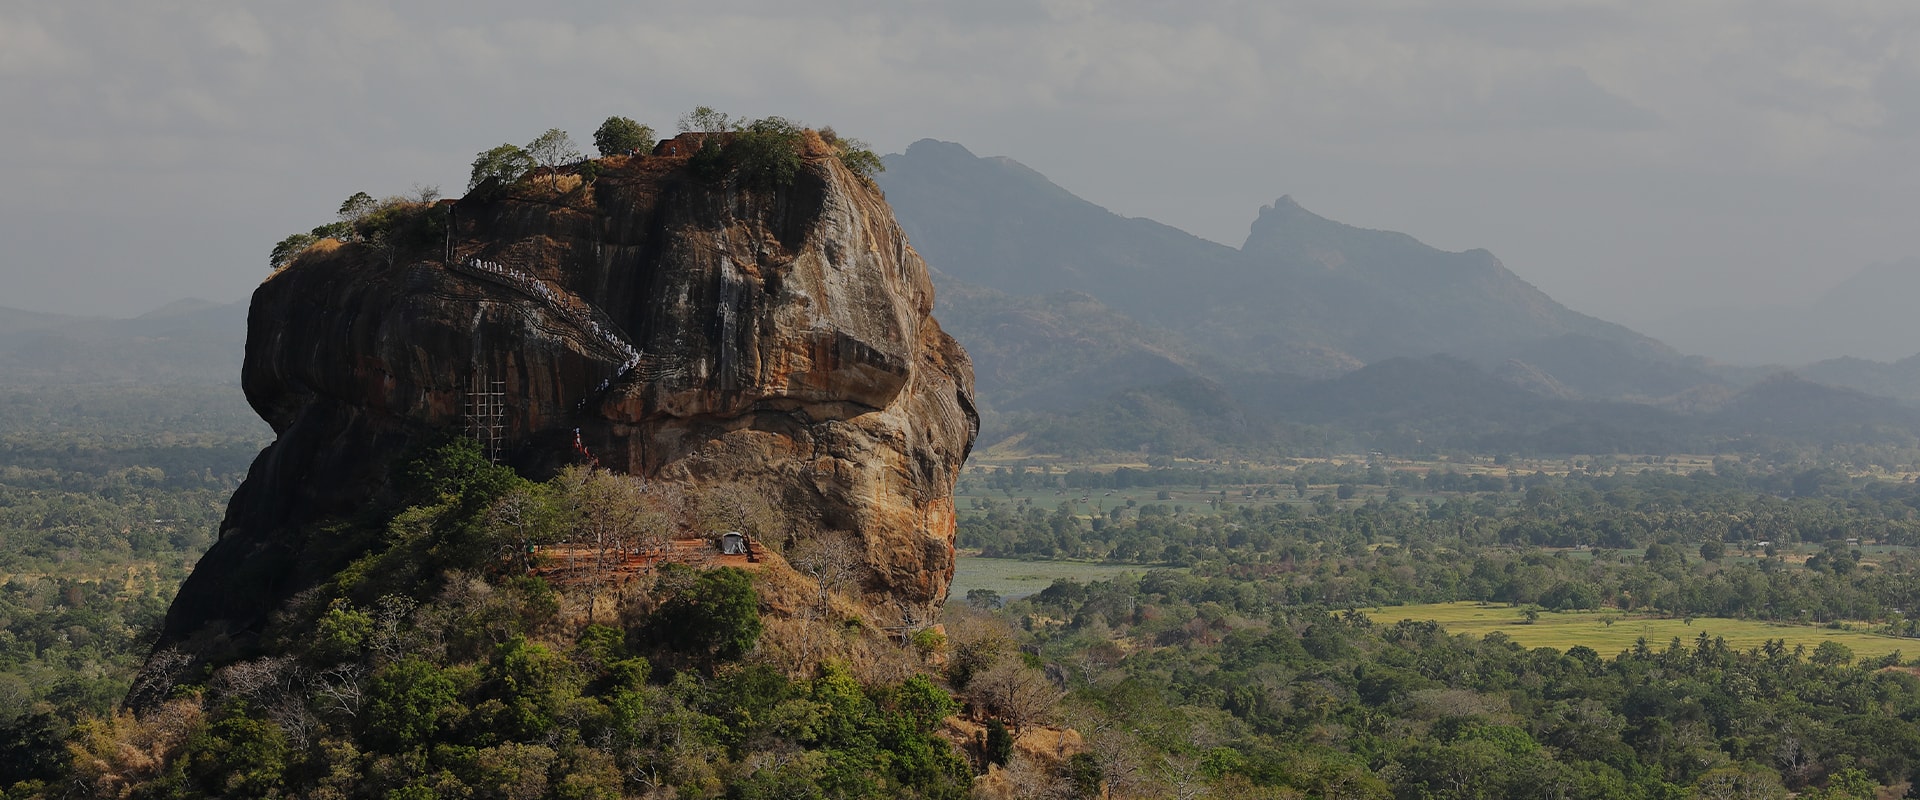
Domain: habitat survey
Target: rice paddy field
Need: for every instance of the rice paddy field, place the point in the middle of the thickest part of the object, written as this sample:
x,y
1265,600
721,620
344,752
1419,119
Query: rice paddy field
x,y
1561,630
1016,578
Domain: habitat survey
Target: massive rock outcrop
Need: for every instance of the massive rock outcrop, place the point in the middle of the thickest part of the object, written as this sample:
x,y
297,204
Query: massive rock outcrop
x,y
684,324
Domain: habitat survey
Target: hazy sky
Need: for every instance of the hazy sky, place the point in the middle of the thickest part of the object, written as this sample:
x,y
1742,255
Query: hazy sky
x,y
1631,158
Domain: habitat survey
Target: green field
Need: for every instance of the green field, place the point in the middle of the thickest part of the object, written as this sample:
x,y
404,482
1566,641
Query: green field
x,y
1097,502
1563,630
1014,578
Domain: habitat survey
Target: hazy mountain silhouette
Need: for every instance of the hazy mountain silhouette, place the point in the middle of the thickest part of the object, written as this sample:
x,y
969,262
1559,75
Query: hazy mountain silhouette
x,y
1439,404
1058,351
1092,331
190,341
1900,379
1867,316
1304,295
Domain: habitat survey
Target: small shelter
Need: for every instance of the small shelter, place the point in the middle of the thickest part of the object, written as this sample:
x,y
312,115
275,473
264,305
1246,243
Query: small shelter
x,y
733,543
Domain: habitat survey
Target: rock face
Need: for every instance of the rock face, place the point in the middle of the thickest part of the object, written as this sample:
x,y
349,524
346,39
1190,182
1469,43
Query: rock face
x,y
702,329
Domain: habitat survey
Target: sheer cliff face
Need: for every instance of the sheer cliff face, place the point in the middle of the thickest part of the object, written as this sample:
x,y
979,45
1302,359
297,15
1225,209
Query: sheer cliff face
x,y
703,330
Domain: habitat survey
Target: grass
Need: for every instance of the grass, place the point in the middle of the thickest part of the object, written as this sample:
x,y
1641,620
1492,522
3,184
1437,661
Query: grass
x,y
1098,502
1561,630
1014,578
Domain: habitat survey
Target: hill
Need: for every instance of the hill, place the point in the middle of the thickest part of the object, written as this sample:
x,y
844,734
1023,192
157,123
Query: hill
x,y
1303,295
1060,350
1091,330
1899,379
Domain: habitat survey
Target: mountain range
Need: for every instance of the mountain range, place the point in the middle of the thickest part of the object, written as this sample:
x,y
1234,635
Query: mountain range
x,y
1304,295
1093,331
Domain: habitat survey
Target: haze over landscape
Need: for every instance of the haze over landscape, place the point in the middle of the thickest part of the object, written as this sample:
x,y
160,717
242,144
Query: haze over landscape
x,y
1638,163
1047,400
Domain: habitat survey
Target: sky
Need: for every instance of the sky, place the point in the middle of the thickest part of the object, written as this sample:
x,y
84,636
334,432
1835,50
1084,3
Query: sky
x,y
1636,160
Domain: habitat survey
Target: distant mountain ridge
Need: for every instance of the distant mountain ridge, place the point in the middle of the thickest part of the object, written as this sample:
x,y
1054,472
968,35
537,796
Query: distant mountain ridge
x,y
1089,330
1380,294
1092,331
1304,295
188,341
1900,379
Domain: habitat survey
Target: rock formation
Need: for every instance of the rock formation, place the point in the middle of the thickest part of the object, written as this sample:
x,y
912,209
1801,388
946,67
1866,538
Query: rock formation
x,y
684,325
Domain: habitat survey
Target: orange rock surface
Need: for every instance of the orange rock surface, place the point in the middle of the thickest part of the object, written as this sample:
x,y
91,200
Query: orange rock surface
x,y
691,328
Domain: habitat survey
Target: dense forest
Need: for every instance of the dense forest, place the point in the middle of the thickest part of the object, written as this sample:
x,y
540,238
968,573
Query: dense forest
x,y
1256,670
1704,544
1223,686
437,665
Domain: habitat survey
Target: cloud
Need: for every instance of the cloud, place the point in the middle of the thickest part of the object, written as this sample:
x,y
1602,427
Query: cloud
x,y
28,49
224,108
1559,98
236,29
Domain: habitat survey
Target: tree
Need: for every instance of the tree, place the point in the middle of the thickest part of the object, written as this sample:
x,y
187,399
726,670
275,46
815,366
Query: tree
x,y
984,599
612,516
1851,783
290,248
1832,654
703,119
406,703
999,744
505,163
552,149
719,615
1015,692
238,756
832,560
736,507
522,519
357,206
767,151
620,135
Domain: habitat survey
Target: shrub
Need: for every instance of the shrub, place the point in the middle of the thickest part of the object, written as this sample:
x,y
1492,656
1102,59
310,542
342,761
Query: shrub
x,y
924,703
857,156
999,744
928,642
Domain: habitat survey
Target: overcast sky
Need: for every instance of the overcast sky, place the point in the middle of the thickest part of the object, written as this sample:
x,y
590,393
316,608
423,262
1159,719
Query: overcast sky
x,y
1634,159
